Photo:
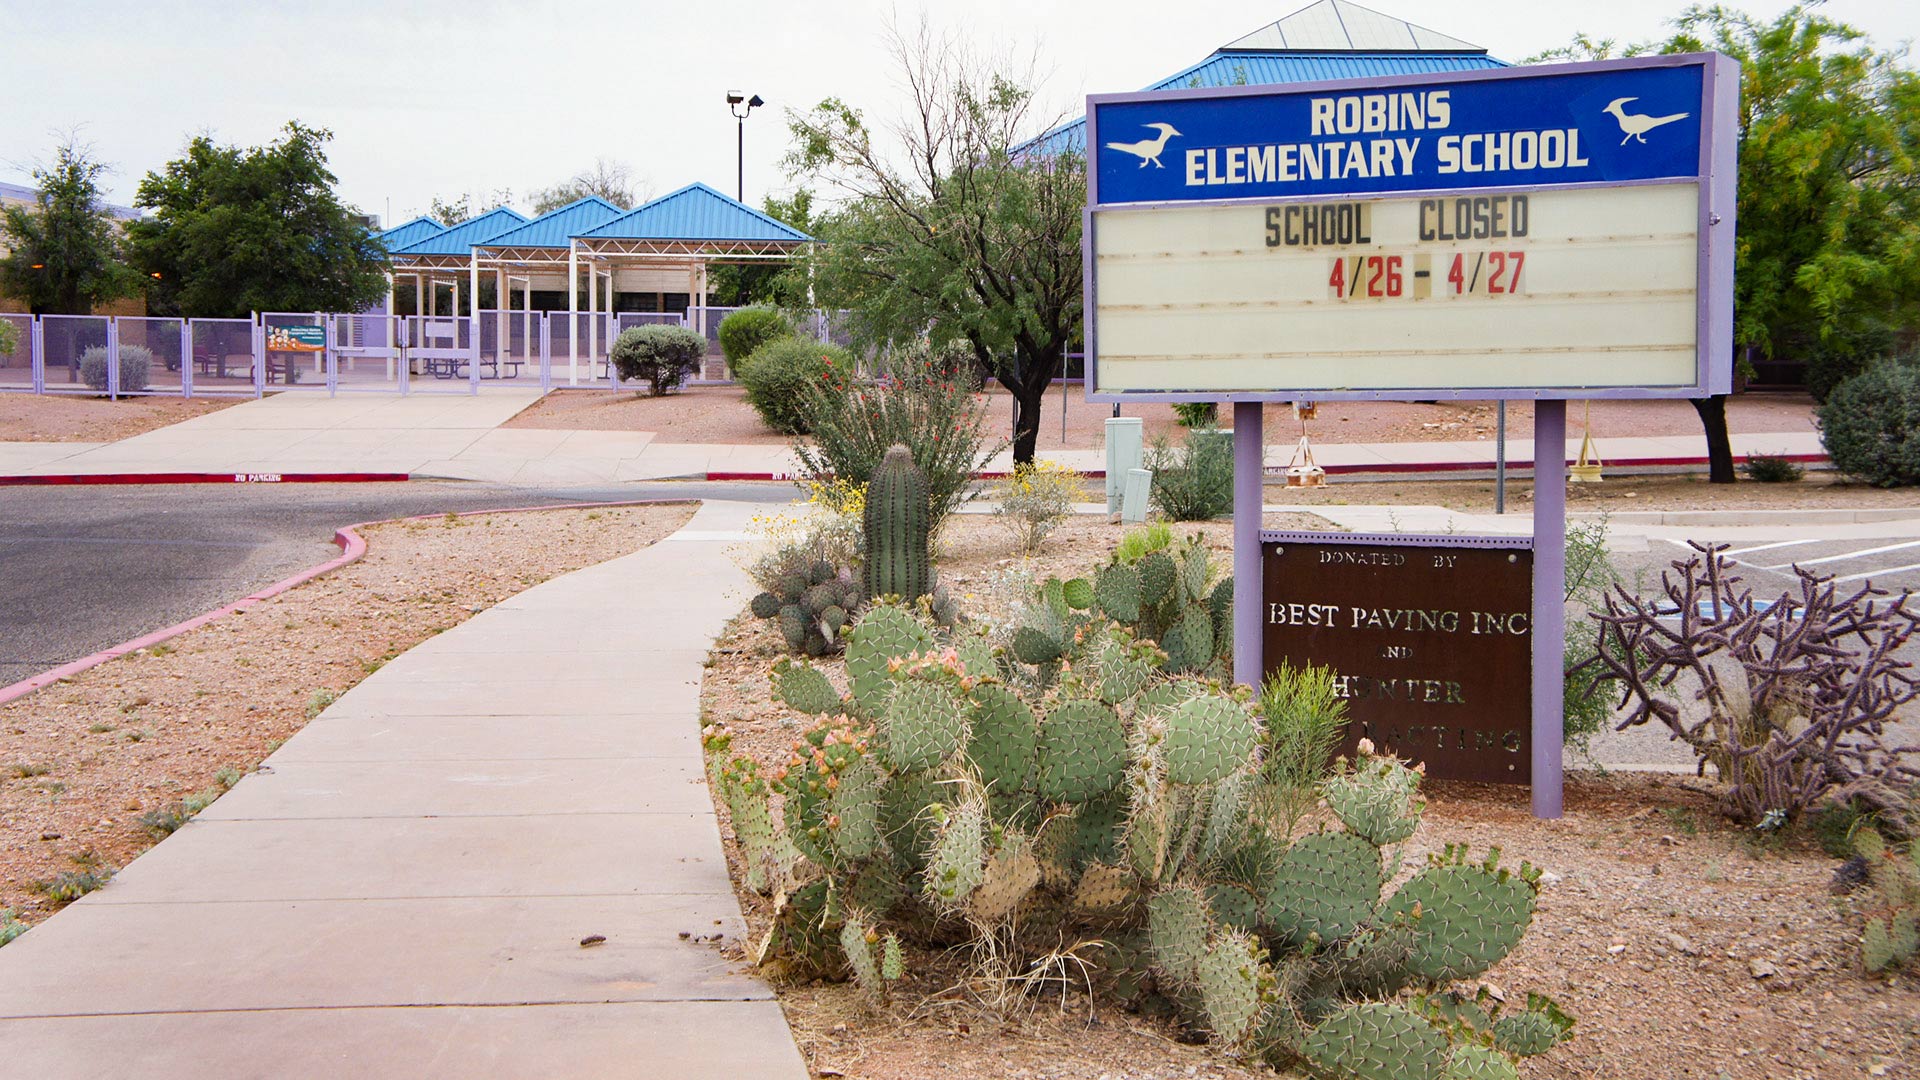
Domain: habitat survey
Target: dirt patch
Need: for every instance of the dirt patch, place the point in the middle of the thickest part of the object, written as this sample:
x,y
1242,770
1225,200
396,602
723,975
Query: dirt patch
x,y
83,759
71,418
720,414
1651,929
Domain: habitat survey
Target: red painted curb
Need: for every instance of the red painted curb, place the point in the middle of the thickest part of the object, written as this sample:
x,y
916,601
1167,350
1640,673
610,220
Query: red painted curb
x,y
66,479
351,545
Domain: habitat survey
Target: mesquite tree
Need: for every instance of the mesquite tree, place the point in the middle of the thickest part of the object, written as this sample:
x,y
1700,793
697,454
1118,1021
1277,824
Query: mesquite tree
x,y
955,234
1788,700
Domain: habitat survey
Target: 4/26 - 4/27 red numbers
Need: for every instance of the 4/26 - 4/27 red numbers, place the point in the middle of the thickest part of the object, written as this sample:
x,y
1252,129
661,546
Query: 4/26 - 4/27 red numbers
x,y
1486,273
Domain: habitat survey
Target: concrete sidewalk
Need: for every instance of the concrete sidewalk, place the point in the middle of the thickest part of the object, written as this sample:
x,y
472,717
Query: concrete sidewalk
x,y
403,889
459,437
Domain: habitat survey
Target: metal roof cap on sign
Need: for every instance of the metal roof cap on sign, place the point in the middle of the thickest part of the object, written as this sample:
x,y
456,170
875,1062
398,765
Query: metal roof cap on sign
x,y
462,238
411,232
551,229
1342,26
696,212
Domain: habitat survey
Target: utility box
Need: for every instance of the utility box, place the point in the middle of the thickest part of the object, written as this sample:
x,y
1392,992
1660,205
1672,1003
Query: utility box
x,y
1126,439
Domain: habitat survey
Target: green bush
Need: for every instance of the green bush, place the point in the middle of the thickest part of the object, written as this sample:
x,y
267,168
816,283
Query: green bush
x,y
9,337
1194,483
1196,413
744,331
924,403
136,362
783,372
1773,469
662,355
1843,354
1870,425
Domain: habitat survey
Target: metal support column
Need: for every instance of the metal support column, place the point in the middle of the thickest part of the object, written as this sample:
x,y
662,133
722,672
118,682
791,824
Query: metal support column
x,y
1549,602
1249,476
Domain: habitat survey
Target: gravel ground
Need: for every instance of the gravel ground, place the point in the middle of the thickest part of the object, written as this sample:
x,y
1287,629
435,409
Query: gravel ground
x,y
82,760
720,414
1651,933
74,418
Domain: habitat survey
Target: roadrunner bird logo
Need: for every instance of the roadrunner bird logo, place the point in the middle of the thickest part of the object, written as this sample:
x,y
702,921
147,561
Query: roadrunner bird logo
x,y
1636,125
1148,150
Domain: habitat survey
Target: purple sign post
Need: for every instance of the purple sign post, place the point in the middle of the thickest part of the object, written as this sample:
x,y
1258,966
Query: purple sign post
x,y
1535,233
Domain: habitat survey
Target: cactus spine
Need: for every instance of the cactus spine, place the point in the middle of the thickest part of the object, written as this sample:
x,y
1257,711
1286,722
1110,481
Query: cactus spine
x,y
898,515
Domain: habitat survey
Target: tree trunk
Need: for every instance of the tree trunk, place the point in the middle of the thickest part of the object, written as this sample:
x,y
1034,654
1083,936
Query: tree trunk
x,y
1027,400
1713,417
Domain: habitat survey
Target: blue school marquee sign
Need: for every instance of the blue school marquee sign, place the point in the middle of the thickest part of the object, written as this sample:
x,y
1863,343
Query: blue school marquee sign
x,y
1499,128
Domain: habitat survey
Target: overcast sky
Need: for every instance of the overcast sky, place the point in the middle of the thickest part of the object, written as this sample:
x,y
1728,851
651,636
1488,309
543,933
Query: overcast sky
x,y
443,97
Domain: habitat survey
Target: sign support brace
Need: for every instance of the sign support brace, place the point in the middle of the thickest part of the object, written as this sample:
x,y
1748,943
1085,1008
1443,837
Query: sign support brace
x,y
1549,603
1249,478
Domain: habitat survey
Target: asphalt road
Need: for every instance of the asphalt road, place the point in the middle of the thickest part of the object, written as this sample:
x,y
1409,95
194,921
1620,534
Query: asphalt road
x,y
85,568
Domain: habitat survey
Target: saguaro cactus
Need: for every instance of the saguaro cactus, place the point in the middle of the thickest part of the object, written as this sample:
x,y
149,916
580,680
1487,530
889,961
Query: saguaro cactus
x,y
898,511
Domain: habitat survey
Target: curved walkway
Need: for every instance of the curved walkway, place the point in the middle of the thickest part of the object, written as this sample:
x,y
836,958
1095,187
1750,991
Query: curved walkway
x,y
404,888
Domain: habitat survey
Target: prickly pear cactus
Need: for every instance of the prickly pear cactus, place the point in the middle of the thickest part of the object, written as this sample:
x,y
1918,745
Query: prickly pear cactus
x,y
958,861
1010,874
804,689
885,633
1116,592
1005,742
1229,976
1376,1041
1177,929
1470,1061
1538,1029
926,722
1470,915
1378,797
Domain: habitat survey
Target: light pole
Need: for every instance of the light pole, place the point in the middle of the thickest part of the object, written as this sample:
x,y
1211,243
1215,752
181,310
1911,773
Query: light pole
x,y
734,100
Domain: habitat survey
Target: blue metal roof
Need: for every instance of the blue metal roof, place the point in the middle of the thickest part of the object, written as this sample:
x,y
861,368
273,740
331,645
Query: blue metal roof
x,y
1269,68
411,233
461,239
696,212
551,229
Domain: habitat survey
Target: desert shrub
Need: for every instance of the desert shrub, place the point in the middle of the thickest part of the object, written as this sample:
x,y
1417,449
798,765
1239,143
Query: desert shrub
x,y
1586,702
1870,425
922,403
783,373
136,364
1892,935
1306,719
1035,500
1195,482
1773,469
1787,699
9,337
1195,414
746,330
1855,346
662,355
1122,822
10,927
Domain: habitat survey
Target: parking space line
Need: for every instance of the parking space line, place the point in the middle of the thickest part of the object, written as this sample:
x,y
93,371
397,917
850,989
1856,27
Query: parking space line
x,y
1768,547
1848,555
1875,573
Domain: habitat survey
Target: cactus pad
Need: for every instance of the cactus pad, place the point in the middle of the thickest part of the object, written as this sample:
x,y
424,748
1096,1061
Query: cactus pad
x,y
1105,888
1535,1031
926,723
855,811
1157,573
1009,876
1470,917
860,957
1378,798
1034,645
885,633
1005,740
804,689
1229,978
1472,1062
1327,884
957,863
1377,1042
1208,738
1177,930
1116,591
766,605
1097,826
1083,751
1196,570
1233,906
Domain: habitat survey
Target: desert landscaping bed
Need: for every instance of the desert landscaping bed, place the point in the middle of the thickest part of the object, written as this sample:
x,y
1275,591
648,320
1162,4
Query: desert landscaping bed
x,y
84,418
83,760
1684,946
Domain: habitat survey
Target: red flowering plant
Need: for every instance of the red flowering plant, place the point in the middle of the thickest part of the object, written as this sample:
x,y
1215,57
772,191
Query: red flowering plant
x,y
923,399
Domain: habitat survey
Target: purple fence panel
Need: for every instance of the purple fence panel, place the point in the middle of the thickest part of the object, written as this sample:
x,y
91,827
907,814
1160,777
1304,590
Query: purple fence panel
x,y
157,341
222,357
439,354
16,353
510,346
65,341
366,358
